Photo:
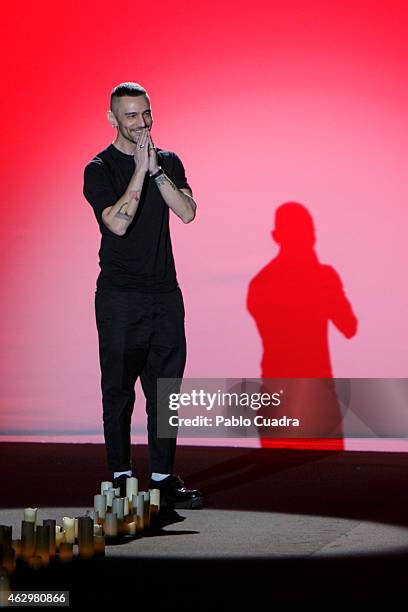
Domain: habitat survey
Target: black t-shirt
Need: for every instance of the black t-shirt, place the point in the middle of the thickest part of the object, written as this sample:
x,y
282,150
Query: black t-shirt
x,y
142,259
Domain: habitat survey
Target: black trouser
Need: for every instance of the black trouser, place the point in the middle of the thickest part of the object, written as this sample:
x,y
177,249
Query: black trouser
x,y
139,335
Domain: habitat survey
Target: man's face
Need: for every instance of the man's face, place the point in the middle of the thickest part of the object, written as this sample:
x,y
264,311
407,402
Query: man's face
x,y
132,115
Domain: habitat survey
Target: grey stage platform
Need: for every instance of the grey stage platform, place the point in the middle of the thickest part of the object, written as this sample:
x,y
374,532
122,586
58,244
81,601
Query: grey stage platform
x,y
286,525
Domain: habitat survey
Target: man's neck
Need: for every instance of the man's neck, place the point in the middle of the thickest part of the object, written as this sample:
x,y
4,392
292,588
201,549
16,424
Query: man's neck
x,y
124,147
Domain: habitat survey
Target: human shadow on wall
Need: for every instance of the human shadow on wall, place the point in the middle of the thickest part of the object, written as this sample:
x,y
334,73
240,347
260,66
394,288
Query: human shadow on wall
x,y
292,299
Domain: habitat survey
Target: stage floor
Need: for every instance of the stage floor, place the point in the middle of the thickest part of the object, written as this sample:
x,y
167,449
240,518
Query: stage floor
x,y
299,526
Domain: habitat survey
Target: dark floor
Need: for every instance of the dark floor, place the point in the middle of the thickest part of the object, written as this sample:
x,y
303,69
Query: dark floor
x,y
358,485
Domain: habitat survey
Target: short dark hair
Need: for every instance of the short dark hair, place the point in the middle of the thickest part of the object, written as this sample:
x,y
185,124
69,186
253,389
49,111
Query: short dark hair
x,y
126,89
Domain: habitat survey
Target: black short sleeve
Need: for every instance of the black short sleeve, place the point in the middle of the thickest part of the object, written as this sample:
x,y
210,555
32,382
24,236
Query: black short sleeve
x,y
98,188
179,175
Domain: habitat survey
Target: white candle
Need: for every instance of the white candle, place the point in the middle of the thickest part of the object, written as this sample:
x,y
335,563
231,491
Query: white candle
x,y
68,525
59,538
105,485
134,503
111,525
154,500
131,487
140,511
146,517
118,507
126,505
110,494
100,505
97,529
131,528
30,515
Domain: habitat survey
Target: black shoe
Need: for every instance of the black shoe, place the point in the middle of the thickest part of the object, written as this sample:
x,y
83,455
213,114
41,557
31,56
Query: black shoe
x,y
173,493
120,482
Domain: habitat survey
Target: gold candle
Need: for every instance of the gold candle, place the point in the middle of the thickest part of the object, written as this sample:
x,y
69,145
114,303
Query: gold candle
x,y
52,525
35,562
27,539
18,549
99,545
85,537
5,590
6,535
42,547
8,560
66,551
59,538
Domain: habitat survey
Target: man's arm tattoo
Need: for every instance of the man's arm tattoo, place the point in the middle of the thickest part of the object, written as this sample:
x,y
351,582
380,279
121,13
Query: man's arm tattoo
x,y
122,212
163,178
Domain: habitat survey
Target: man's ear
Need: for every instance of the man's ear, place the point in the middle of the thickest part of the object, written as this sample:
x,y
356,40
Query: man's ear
x,y
111,118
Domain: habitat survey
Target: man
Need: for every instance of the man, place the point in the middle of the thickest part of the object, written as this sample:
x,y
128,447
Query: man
x,y
139,306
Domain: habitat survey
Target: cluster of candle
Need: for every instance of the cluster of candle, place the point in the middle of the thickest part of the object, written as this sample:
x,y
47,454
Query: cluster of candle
x,y
125,516
113,517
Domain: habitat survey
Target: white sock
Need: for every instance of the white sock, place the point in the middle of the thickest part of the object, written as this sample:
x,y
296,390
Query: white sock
x,y
117,474
158,476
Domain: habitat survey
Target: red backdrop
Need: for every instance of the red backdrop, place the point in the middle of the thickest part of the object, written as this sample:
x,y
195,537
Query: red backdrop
x,y
265,103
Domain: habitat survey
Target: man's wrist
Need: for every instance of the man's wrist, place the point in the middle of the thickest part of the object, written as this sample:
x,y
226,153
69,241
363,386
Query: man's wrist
x,y
156,172
139,172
